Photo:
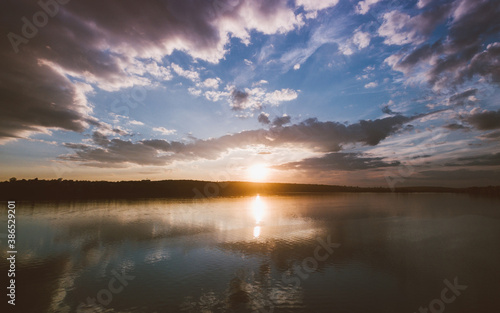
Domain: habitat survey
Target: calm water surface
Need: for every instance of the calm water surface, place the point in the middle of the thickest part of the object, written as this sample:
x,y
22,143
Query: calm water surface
x,y
392,253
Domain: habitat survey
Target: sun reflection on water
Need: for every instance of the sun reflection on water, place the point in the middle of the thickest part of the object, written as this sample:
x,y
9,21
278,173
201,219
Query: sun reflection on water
x,y
256,231
258,209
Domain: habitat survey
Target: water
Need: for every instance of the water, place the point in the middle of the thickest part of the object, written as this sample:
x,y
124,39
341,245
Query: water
x,y
389,253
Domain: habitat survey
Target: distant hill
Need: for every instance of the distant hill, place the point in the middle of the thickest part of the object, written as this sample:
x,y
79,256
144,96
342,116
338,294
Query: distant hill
x,y
35,189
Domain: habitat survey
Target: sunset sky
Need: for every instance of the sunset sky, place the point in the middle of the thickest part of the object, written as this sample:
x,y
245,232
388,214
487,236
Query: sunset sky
x,y
346,92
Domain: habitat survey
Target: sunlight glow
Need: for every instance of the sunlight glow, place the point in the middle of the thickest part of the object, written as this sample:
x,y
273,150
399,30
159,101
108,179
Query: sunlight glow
x,y
258,172
256,231
258,210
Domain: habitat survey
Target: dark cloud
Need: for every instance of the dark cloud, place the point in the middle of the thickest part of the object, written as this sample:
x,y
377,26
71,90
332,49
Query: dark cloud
x,y
238,99
311,134
114,153
34,97
106,45
458,178
337,161
281,120
387,110
462,98
491,136
263,118
420,54
455,126
100,139
480,160
484,64
487,120
460,55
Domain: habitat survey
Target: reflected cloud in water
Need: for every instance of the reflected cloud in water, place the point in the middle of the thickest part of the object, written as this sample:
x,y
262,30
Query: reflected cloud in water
x,y
229,255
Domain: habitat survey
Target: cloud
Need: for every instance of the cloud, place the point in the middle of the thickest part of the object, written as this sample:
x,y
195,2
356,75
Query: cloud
x,y
281,120
387,110
113,153
486,120
260,83
137,123
256,98
294,58
423,3
316,5
311,134
212,83
338,161
484,64
195,92
34,98
82,48
463,98
396,29
458,56
364,6
240,100
358,41
371,85
278,96
164,131
479,160
455,126
491,136
400,29
191,75
263,118
361,39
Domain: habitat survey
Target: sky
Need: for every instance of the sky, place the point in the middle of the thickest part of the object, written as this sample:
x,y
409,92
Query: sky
x,y
369,93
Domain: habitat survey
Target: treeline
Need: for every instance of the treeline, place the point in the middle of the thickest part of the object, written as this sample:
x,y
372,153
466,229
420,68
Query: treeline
x,y
59,189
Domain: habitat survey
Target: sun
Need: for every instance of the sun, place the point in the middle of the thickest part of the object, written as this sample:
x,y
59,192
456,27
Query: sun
x,y
258,172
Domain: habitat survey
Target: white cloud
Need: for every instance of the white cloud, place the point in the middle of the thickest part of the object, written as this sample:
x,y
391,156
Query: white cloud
x,y
371,85
423,3
321,36
361,39
296,66
260,83
194,91
311,15
251,98
212,83
397,29
278,96
216,95
316,5
137,123
191,75
346,49
164,131
364,6
129,51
